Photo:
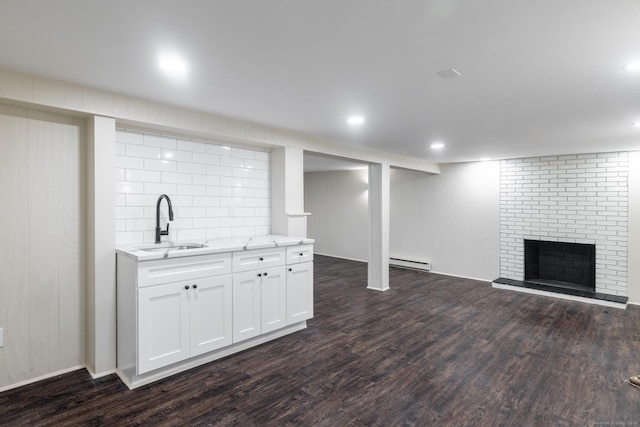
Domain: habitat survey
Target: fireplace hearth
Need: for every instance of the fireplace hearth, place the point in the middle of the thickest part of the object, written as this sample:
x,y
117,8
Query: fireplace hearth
x,y
561,264
565,270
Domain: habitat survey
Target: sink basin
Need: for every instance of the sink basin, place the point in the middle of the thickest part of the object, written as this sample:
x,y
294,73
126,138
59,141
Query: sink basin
x,y
177,247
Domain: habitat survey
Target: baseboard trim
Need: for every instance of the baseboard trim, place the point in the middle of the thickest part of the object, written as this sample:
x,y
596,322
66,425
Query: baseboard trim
x,y
340,257
41,377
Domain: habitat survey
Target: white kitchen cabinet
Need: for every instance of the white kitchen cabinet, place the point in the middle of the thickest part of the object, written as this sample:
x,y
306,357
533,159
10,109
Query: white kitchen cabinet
x,y
259,302
181,320
299,292
176,311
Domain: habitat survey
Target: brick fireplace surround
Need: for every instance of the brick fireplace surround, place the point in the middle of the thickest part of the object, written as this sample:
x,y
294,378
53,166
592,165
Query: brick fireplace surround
x,y
574,199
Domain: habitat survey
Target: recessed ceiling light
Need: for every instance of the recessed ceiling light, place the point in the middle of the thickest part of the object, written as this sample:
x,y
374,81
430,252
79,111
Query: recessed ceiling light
x,y
173,66
484,159
437,145
635,66
355,120
449,73
636,124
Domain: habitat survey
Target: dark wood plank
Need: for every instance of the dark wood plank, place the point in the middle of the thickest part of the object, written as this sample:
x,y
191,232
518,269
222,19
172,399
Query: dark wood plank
x,y
433,350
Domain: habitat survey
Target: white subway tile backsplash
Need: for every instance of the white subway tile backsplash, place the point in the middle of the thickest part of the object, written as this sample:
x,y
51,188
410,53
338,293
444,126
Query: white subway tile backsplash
x,y
129,137
177,155
191,146
124,212
243,192
219,191
243,231
233,162
176,178
120,149
142,175
191,234
192,168
221,150
144,152
159,141
244,173
129,162
206,201
217,212
140,199
207,159
206,222
192,190
242,212
159,188
217,170
126,187
190,212
159,165
206,179
216,190
227,181
575,198
243,153
128,237
262,155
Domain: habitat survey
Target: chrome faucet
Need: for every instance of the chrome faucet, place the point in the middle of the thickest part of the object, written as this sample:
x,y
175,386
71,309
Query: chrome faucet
x,y
158,231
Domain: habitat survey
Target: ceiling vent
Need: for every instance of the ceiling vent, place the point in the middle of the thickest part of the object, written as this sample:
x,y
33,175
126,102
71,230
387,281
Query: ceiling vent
x,y
449,73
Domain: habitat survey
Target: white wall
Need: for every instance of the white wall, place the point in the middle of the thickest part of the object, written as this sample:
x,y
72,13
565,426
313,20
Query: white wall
x,y
42,249
216,190
633,279
451,220
338,203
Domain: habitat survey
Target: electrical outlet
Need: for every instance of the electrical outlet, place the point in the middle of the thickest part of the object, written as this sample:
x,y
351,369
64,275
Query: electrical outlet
x,y
1,337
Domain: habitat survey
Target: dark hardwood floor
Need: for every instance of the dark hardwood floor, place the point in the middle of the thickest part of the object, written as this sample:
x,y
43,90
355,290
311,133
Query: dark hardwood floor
x,y
432,351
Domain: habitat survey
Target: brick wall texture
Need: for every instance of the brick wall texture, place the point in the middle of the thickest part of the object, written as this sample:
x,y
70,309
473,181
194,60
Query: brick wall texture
x,y
577,199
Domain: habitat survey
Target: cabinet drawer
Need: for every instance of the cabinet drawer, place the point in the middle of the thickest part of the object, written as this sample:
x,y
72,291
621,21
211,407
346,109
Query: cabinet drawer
x,y
185,268
301,253
251,260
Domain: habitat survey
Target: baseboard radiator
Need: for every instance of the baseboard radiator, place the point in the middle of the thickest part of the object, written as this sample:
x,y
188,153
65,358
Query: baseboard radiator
x,y
409,263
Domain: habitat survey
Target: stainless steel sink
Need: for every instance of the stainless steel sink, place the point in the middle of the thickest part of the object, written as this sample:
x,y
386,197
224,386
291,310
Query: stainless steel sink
x,y
165,247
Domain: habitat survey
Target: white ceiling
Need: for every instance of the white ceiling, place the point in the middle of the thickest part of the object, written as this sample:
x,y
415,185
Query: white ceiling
x,y
538,77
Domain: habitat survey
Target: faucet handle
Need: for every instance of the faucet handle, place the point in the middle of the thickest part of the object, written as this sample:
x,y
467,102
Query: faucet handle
x,y
165,232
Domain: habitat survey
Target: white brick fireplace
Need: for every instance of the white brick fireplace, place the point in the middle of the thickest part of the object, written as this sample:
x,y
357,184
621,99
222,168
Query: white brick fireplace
x,y
574,199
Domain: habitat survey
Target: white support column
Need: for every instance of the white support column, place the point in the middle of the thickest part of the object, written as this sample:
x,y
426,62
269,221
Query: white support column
x,y
287,192
101,272
379,198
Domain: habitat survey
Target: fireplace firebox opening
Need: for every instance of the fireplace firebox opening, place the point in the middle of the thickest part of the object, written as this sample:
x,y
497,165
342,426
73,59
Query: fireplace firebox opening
x,y
571,265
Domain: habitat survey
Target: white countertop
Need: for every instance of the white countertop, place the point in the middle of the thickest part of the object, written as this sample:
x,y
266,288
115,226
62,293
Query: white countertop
x,y
213,246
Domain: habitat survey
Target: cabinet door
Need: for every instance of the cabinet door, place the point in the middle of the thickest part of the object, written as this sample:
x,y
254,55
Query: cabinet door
x,y
274,299
299,292
210,301
163,326
246,305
